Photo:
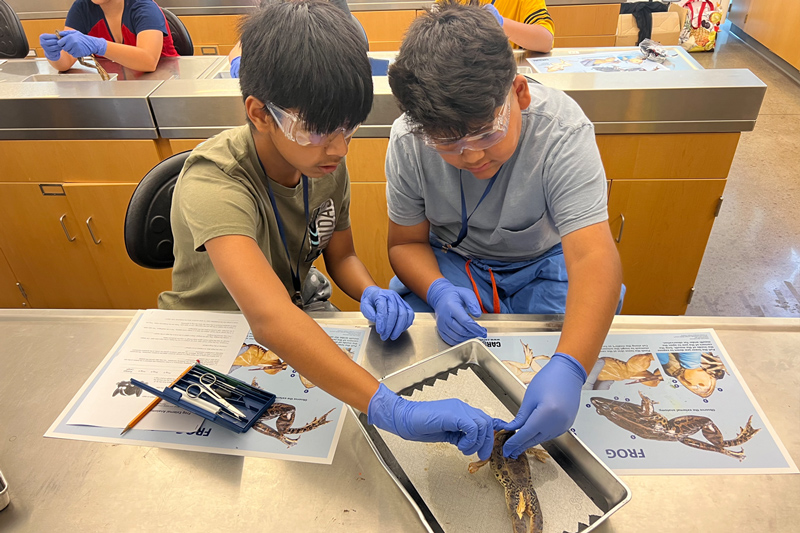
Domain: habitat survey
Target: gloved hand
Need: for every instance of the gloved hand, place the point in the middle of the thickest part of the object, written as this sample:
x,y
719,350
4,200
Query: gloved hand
x,y
453,421
78,44
235,66
688,360
49,42
453,306
391,314
493,10
549,406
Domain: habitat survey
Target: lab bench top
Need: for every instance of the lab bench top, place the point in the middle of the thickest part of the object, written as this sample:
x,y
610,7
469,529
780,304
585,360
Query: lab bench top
x,y
45,9
66,486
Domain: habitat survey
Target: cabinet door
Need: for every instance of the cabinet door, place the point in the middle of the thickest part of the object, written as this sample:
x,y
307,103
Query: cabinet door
x,y
41,238
370,225
385,29
101,209
662,240
11,291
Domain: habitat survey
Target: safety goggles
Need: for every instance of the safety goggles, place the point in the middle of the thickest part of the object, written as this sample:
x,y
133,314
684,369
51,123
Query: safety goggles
x,y
477,141
292,126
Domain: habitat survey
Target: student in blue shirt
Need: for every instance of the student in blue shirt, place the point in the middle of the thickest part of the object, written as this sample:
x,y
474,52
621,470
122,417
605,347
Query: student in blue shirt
x,y
133,33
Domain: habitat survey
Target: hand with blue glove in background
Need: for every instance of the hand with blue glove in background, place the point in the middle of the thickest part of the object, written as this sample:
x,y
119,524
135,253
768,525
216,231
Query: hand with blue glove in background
x,y
49,43
453,421
77,44
493,10
549,406
391,314
235,66
453,306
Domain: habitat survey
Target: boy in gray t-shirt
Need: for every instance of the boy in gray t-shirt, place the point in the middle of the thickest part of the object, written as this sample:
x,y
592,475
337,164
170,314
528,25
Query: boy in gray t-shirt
x,y
496,195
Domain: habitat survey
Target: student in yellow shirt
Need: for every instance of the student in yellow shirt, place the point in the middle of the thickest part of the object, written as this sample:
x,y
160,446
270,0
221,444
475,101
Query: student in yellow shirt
x,y
527,23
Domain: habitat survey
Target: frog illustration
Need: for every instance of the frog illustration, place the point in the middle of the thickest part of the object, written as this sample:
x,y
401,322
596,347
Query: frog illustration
x,y
285,413
643,421
515,477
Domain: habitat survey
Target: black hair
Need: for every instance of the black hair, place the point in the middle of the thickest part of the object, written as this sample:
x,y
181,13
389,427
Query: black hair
x,y
306,55
454,69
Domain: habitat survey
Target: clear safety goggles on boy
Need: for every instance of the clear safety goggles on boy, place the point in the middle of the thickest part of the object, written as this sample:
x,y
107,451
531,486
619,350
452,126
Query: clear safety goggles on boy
x,y
476,141
292,126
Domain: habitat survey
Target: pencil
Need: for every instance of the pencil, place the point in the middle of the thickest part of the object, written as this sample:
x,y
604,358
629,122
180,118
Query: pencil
x,y
152,404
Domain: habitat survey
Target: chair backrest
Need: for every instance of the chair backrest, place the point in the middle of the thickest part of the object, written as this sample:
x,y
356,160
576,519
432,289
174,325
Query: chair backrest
x,y
148,232
13,43
180,35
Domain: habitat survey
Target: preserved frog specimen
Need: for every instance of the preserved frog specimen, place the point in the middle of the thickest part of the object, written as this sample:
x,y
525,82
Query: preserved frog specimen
x,y
515,476
643,421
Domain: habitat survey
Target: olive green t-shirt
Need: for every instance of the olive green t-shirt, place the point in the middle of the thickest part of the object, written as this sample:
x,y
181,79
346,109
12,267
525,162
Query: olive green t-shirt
x,y
221,191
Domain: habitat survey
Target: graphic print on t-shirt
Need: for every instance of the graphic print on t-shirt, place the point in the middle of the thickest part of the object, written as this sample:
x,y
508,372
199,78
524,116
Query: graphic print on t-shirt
x,y
320,228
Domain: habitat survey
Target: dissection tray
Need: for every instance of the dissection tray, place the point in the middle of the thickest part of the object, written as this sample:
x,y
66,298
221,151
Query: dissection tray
x,y
433,476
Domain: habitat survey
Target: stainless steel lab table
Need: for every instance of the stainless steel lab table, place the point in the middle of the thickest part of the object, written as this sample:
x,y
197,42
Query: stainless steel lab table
x,y
61,485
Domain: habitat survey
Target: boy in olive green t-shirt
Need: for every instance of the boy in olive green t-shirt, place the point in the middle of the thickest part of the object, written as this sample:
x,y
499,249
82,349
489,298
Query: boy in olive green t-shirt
x,y
255,206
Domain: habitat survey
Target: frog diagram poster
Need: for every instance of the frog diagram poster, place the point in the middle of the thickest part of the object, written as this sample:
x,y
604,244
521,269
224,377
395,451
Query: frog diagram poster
x,y
303,424
661,403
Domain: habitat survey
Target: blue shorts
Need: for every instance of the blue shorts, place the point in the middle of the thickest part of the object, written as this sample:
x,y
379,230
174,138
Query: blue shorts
x,y
537,286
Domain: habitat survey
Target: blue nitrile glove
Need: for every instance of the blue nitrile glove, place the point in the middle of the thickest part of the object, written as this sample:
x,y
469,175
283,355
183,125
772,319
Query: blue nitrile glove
x,y
391,314
78,44
49,42
549,406
688,360
453,421
235,66
453,306
493,10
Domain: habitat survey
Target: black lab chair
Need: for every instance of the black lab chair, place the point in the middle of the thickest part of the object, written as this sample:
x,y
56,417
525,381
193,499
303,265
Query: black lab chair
x,y
180,35
148,232
13,43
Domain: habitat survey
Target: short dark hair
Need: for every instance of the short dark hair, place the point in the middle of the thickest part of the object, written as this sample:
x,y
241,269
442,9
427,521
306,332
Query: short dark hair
x,y
455,67
307,55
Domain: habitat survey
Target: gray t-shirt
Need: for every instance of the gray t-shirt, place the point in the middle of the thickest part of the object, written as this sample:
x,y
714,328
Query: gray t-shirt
x,y
552,185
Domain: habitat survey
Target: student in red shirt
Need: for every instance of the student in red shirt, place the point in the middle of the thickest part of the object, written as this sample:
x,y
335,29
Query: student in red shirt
x,y
133,33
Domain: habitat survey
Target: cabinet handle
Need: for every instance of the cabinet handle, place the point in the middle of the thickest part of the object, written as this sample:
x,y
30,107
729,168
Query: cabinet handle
x,y
96,241
64,227
621,227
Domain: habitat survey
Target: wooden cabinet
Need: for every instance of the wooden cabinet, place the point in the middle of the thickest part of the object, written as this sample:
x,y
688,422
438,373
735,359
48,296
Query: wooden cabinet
x,y
385,29
62,211
773,23
212,34
40,236
584,25
34,28
662,227
664,195
101,209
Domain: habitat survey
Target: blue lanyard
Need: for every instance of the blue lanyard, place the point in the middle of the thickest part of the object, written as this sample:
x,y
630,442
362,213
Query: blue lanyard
x,y
464,218
297,297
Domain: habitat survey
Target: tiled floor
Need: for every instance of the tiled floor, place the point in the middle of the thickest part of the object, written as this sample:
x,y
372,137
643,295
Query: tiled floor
x,y
752,263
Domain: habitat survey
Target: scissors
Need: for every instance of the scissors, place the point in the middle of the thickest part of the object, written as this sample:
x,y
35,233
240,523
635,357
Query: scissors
x,y
206,384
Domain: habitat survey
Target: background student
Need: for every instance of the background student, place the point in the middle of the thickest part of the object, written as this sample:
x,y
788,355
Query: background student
x,y
133,33
255,205
526,23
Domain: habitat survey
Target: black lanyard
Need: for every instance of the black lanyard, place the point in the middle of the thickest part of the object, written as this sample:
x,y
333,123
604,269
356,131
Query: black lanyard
x,y
297,297
464,218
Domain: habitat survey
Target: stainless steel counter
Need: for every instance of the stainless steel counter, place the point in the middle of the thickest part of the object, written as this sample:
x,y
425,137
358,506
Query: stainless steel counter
x,y
66,486
688,99
44,9
37,102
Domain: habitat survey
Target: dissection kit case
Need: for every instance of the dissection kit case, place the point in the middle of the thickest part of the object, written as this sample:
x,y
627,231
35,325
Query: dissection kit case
x,y
250,401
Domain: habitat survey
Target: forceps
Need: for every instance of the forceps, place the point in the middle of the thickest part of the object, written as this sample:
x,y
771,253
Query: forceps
x,y
206,385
